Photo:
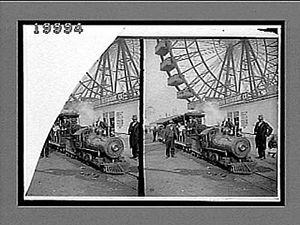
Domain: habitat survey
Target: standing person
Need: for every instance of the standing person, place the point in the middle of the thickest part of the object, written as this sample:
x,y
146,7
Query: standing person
x,y
181,128
56,131
169,138
230,126
133,131
154,131
261,130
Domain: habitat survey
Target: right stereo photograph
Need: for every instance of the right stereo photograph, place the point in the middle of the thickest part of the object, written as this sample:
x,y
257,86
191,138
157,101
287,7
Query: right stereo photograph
x,y
213,116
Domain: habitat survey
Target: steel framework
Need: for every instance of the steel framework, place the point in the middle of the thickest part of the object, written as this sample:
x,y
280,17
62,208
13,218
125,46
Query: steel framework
x,y
203,69
116,71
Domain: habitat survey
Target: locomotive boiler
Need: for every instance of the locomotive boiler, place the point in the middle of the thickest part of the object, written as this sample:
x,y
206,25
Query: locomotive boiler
x,y
93,148
237,147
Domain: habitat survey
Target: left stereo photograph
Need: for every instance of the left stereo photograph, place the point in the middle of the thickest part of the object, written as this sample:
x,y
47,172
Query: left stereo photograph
x,y
81,88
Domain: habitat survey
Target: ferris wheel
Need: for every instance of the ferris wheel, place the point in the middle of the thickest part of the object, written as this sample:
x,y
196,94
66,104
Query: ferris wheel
x,y
203,69
116,71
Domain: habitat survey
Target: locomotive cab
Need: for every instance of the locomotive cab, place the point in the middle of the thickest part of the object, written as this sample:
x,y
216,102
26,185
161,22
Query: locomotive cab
x,y
65,124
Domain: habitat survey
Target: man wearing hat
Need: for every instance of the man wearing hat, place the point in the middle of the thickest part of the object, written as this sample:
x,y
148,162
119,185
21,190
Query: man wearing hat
x,y
133,131
169,139
262,130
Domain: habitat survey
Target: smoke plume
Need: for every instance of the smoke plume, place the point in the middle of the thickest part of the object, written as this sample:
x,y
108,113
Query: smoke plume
x,y
86,111
213,114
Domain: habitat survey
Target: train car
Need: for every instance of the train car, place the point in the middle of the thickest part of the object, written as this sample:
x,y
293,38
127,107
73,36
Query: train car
x,y
87,144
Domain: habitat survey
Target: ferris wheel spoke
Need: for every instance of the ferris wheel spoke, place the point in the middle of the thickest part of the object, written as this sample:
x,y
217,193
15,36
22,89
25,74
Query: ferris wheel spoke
x,y
98,85
117,68
131,60
250,71
199,63
194,82
110,71
262,75
196,71
96,73
126,70
89,90
205,93
212,74
103,75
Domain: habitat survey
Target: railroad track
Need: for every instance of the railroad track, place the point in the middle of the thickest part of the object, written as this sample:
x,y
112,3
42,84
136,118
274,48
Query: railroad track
x,y
257,179
128,175
123,179
261,181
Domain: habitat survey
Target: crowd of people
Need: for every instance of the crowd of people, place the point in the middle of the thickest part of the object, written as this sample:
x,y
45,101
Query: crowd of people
x,y
171,131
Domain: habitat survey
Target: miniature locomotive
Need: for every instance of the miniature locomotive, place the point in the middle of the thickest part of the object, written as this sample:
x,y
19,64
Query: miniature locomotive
x,y
231,152
88,145
214,145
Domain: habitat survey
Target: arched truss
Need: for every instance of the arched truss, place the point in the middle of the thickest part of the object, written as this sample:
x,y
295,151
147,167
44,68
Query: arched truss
x,y
217,68
116,71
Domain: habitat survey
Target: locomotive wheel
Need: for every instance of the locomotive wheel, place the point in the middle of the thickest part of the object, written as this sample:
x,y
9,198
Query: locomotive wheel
x,y
90,157
210,156
86,157
206,155
214,157
81,154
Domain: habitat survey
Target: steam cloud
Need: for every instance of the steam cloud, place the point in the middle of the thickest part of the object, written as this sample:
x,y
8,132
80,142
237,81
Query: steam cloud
x,y
213,114
86,111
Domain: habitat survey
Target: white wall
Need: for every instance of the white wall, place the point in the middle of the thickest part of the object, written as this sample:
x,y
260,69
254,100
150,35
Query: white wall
x,y
268,108
127,109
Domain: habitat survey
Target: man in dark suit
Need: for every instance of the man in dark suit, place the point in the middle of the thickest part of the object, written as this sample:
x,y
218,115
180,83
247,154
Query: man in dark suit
x,y
133,131
262,130
169,138
154,133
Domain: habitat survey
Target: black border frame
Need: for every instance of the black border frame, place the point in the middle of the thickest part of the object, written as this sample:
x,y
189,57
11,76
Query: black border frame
x,y
130,203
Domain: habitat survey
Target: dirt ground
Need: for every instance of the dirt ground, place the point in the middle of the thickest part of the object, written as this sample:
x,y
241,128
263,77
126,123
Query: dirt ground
x,y
183,176
59,175
186,176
